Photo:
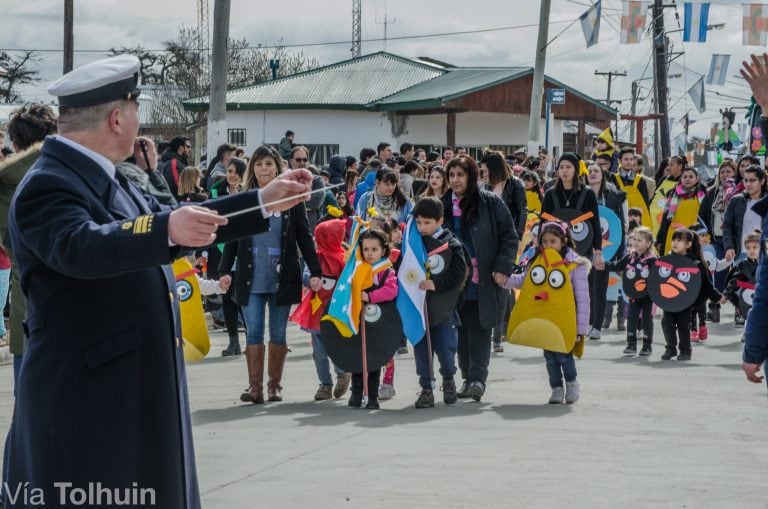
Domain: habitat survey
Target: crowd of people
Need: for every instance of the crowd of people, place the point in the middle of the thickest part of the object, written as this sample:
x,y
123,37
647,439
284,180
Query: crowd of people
x,y
98,215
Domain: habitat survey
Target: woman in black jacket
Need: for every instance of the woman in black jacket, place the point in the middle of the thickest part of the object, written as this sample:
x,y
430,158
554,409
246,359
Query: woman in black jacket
x,y
502,183
608,196
268,274
224,187
484,225
570,193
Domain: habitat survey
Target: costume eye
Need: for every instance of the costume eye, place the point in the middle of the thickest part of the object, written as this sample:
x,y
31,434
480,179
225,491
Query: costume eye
x,y
556,279
579,231
665,272
684,277
436,264
631,273
604,226
747,295
538,275
372,313
644,273
183,290
328,283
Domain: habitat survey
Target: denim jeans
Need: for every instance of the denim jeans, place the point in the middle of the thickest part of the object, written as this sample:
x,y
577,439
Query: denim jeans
x,y
560,365
5,278
444,339
253,312
322,362
474,350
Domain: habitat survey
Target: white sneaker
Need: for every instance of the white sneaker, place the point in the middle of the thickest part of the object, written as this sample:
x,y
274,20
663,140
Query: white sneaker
x,y
572,392
594,333
557,396
386,391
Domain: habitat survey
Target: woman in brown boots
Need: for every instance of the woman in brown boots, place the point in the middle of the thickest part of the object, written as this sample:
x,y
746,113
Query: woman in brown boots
x,y
268,275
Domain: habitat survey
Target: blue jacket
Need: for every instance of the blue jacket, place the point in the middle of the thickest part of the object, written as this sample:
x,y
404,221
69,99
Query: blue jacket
x,y
365,186
102,394
755,338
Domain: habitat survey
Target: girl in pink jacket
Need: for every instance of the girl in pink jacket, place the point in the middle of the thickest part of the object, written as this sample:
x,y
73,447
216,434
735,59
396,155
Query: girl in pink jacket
x,y
556,236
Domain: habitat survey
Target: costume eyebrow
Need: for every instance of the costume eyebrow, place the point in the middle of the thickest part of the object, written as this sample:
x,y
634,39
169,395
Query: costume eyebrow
x,y
582,218
692,270
659,263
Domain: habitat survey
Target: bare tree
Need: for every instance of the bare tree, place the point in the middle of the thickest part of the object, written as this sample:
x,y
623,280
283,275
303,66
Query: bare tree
x,y
17,72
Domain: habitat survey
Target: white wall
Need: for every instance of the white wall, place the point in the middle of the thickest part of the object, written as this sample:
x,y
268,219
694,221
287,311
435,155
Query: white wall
x,y
353,130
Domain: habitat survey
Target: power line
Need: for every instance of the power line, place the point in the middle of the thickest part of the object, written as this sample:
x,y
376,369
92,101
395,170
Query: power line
x,y
311,44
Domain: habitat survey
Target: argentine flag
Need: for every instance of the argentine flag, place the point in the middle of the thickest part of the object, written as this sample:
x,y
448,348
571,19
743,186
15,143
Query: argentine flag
x,y
410,298
695,21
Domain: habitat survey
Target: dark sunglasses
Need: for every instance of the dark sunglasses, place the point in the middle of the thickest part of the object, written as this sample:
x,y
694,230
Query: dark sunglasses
x,y
300,159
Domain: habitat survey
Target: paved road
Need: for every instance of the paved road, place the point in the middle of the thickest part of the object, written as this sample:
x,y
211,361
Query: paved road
x,y
647,433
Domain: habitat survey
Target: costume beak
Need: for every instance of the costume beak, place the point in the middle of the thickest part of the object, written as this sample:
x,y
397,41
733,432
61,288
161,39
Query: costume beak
x,y
541,296
640,285
672,288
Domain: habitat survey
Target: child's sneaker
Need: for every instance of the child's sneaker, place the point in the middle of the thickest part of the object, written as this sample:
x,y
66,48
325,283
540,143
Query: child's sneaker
x,y
449,392
694,336
386,391
498,347
557,396
631,349
684,357
594,333
703,333
646,351
739,321
373,403
426,399
572,392
668,354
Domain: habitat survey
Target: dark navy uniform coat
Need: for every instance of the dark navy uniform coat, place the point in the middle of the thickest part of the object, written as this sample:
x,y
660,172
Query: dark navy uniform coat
x,y
102,395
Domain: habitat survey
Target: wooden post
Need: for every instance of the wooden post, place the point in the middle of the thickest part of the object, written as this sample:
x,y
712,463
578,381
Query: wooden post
x,y
69,38
450,130
581,139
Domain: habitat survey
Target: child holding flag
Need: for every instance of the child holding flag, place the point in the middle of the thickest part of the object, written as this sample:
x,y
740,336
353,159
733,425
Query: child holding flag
x,y
443,284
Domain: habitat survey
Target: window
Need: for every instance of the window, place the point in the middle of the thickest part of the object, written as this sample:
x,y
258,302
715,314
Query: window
x,y
236,137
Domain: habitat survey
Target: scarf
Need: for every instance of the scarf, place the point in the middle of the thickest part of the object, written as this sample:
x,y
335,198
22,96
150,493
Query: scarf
x,y
680,194
385,205
722,194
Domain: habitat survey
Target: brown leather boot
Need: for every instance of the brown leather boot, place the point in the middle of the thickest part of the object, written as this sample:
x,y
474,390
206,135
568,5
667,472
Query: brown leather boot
x,y
254,358
275,367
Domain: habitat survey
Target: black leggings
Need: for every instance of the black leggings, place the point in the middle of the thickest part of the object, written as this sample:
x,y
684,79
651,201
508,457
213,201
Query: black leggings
x,y
699,312
636,307
677,325
598,288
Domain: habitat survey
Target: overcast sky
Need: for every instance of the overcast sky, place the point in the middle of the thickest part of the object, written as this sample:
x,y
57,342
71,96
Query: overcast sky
x,y
101,24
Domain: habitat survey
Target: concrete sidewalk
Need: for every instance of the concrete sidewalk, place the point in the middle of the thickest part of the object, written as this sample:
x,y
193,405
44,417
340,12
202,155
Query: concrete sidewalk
x,y
646,433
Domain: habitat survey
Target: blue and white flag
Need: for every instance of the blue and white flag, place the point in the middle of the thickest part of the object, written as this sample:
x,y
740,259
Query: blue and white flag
x,y
718,70
590,24
697,95
410,298
695,23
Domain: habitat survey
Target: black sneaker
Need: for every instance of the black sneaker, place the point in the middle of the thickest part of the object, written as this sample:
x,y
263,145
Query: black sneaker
x,y
449,392
620,326
646,351
476,390
684,357
498,347
231,350
426,399
373,403
668,354
402,350
355,399
739,321
630,349
464,390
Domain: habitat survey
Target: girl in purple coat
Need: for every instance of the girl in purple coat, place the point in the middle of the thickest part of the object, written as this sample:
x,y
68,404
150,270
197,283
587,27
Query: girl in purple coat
x,y
562,365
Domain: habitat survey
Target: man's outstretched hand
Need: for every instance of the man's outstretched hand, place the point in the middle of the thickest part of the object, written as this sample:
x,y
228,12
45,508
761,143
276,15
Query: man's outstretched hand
x,y
293,183
756,74
194,226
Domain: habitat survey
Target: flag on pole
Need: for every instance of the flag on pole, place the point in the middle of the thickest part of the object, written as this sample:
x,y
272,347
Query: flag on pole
x,y
695,23
718,70
632,20
697,95
413,270
590,24
755,25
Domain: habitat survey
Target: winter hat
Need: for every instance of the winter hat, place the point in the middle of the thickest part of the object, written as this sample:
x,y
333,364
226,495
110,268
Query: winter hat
x,y
571,157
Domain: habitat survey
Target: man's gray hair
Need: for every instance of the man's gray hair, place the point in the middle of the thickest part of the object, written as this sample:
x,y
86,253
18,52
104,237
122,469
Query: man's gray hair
x,y
87,118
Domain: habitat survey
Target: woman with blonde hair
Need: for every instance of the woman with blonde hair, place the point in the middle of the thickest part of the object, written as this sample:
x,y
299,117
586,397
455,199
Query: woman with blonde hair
x,y
189,185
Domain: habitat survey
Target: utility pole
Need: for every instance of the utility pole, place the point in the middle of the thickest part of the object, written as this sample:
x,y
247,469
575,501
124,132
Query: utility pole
x,y
608,100
69,35
537,89
386,23
357,32
217,113
633,108
660,71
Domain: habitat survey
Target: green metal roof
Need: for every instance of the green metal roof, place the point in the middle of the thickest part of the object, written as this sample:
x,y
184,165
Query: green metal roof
x,y
351,84
451,84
